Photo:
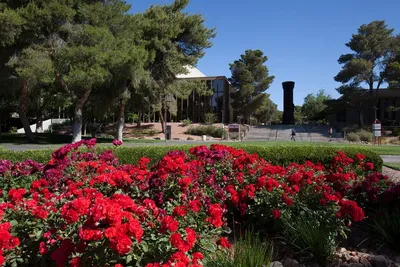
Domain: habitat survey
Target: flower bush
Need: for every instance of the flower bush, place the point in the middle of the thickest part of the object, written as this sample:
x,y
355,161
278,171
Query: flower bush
x,y
85,209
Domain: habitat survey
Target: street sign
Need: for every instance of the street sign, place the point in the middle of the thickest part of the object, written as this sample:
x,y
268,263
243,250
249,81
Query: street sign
x,y
234,128
377,132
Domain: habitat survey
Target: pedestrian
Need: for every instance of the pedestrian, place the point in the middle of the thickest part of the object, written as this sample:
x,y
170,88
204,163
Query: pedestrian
x,y
330,133
293,134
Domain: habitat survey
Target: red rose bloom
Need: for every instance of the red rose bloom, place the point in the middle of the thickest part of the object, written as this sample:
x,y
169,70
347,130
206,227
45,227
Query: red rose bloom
x,y
369,166
179,211
195,205
276,214
223,242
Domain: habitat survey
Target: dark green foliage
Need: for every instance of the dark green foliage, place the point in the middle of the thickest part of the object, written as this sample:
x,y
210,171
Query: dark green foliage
x,y
249,251
210,118
210,130
384,227
279,155
308,235
250,78
314,107
372,47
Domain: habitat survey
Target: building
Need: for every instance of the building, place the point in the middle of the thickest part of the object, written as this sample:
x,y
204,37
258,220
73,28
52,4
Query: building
x,y
361,110
196,106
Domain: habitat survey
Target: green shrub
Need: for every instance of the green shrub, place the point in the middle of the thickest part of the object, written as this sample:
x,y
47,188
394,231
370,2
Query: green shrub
x,y
365,136
310,236
249,251
279,155
210,130
384,228
353,137
396,132
210,118
186,122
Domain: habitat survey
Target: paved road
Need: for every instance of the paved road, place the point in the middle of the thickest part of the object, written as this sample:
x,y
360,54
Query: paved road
x,y
24,147
391,159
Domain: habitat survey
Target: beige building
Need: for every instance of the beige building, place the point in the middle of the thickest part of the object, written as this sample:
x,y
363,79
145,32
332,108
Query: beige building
x,y
195,107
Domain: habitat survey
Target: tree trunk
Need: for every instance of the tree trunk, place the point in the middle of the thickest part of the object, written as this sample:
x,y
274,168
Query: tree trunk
x,y
120,121
162,121
78,117
139,122
39,120
23,106
77,125
121,115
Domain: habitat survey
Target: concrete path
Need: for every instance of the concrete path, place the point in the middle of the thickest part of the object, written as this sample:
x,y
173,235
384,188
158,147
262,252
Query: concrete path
x,y
391,159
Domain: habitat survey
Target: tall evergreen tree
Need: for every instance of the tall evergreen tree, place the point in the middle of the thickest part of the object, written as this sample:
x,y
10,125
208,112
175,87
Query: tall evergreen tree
x,y
27,25
250,78
371,48
175,39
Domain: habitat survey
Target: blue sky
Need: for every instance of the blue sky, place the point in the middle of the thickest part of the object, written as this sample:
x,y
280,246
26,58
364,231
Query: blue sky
x,y
302,39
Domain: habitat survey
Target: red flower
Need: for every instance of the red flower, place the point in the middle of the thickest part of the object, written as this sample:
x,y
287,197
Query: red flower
x,y
16,195
288,201
195,205
179,211
184,245
276,214
351,209
360,157
75,262
168,223
185,182
196,257
369,166
215,211
122,245
43,248
223,242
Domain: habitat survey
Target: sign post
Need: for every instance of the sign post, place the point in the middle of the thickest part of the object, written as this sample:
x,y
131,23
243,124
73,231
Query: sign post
x,y
377,132
234,131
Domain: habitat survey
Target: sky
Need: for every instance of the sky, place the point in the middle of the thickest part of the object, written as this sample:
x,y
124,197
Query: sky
x,y
302,39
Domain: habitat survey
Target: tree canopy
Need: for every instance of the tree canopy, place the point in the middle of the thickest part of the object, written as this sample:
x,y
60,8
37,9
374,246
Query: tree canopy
x,y
250,79
96,55
314,106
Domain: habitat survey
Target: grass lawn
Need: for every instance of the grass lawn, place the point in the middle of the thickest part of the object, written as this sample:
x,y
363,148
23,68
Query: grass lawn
x,y
395,166
46,138
52,139
381,150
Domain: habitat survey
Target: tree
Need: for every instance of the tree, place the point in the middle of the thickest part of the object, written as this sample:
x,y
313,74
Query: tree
x,y
298,115
392,71
250,78
371,48
175,39
26,25
267,112
314,107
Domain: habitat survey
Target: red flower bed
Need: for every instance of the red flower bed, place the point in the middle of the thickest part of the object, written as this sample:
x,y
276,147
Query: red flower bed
x,y
83,209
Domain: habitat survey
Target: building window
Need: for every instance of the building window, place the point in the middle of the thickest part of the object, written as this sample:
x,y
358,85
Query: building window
x,y
378,110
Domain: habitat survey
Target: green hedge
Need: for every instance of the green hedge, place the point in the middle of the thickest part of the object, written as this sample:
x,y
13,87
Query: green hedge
x,y
279,155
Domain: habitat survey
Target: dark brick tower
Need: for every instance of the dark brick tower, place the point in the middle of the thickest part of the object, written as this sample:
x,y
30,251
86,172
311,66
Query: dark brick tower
x,y
288,106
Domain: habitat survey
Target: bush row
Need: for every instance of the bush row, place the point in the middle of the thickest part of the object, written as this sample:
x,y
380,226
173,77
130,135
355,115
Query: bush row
x,y
361,135
278,155
210,130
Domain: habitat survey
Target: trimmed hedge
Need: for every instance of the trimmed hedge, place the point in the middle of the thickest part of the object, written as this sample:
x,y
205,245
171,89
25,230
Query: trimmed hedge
x,y
278,155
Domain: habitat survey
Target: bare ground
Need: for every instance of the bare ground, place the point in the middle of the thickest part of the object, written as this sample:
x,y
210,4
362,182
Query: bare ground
x,y
393,175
